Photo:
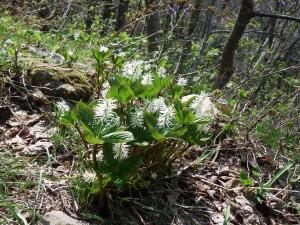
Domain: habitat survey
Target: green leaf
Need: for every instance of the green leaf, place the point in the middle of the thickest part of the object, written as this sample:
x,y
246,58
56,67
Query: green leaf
x,y
188,115
176,132
151,92
245,180
151,123
150,120
109,161
67,120
166,81
201,121
279,174
227,215
156,135
101,56
162,62
113,92
118,61
91,138
125,93
242,93
85,115
118,137
177,90
119,171
111,124
138,89
131,164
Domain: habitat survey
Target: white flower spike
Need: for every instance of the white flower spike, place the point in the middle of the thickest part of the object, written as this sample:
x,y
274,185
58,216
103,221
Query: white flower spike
x,y
62,106
105,108
166,117
181,82
137,119
120,150
103,49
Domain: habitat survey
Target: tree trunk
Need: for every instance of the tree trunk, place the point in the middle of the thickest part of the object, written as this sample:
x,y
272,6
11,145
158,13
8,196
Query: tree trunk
x,y
121,18
153,25
106,12
89,20
246,13
206,32
187,46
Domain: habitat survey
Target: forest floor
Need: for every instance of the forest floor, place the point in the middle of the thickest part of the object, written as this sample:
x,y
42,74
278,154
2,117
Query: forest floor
x,y
35,177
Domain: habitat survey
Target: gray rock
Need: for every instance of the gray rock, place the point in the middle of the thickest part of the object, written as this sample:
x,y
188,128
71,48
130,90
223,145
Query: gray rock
x,y
59,218
66,83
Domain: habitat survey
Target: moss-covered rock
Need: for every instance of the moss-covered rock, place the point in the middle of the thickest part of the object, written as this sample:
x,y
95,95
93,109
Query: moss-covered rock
x,y
66,83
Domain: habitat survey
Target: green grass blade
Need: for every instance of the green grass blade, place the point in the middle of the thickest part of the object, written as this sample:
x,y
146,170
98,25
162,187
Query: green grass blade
x,y
227,215
279,174
36,197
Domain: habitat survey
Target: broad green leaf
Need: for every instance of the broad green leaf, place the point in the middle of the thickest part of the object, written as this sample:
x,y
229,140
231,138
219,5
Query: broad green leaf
x,y
162,62
91,138
111,124
245,180
125,93
201,121
156,135
188,115
125,168
113,92
104,168
109,161
118,137
86,115
152,92
131,164
67,120
138,89
150,120
118,61
177,90
176,132
151,123
167,81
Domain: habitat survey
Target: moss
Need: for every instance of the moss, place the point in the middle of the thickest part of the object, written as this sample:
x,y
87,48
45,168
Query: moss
x,y
66,83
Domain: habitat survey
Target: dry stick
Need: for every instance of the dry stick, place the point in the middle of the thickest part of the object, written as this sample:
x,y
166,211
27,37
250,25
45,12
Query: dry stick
x,y
267,113
65,15
269,15
247,188
138,215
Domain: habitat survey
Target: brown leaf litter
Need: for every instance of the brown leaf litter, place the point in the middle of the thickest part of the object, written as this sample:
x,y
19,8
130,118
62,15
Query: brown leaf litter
x,y
198,193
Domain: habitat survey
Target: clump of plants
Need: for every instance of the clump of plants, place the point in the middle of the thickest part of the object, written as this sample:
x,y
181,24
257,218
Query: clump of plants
x,y
139,124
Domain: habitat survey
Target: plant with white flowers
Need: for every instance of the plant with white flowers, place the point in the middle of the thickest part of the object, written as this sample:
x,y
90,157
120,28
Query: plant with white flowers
x,y
141,121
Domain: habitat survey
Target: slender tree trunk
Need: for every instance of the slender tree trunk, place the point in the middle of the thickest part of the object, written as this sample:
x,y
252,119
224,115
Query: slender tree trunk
x,y
106,13
153,24
90,16
178,20
106,10
207,33
246,13
188,44
121,18
271,27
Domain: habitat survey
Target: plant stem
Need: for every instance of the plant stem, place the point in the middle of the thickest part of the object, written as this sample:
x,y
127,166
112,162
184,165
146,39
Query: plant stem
x,y
102,193
81,136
